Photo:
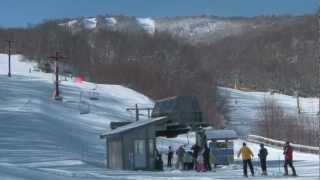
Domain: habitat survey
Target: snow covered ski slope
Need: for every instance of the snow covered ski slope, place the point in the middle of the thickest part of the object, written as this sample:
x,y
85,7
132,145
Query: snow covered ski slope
x,y
244,107
36,131
41,138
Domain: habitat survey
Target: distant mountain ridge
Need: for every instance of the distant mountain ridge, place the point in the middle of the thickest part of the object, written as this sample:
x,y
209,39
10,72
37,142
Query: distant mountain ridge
x,y
192,28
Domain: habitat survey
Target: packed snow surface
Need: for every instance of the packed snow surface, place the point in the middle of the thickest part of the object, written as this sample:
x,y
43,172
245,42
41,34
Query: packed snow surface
x,y
245,107
41,138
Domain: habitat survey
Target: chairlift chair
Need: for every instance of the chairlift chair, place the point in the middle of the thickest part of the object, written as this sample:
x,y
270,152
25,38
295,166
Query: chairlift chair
x,y
94,95
84,107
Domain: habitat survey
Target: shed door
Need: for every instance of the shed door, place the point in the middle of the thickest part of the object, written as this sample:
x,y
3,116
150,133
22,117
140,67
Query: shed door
x,y
151,152
115,155
140,154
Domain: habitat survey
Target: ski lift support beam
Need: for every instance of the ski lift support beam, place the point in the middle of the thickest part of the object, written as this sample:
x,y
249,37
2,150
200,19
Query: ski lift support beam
x,y
137,109
56,59
9,55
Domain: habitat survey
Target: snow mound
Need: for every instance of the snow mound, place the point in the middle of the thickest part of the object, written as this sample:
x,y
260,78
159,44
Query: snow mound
x,y
111,21
72,23
147,24
90,23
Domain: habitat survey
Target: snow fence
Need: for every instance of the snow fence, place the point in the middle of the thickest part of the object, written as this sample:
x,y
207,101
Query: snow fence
x,y
278,143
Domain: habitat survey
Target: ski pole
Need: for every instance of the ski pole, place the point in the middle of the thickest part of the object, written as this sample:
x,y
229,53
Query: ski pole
x,y
279,165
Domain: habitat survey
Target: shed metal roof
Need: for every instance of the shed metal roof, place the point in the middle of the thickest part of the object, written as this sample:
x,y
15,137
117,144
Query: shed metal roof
x,y
176,104
221,134
132,125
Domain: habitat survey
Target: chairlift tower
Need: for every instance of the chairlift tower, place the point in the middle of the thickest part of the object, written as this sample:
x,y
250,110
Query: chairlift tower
x,y
56,59
318,48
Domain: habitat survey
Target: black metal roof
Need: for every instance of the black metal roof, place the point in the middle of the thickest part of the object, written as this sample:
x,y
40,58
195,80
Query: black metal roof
x,y
176,104
132,126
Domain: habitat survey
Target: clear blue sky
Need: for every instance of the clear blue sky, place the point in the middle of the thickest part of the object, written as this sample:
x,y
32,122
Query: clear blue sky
x,y
21,12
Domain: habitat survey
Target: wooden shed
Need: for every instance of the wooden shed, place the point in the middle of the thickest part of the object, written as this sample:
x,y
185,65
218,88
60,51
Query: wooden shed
x,y
133,146
180,110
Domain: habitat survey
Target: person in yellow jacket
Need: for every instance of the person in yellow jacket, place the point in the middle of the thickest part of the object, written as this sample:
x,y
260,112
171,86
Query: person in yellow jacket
x,y
246,154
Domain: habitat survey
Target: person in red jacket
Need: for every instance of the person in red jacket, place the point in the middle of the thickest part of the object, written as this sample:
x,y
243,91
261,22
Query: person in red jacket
x,y
288,159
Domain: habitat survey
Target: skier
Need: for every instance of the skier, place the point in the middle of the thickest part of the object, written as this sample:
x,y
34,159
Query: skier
x,y
200,162
263,153
246,154
212,159
195,149
187,160
206,158
180,153
170,156
288,159
159,163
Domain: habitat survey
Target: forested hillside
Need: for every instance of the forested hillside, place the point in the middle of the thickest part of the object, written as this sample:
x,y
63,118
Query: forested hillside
x,y
281,56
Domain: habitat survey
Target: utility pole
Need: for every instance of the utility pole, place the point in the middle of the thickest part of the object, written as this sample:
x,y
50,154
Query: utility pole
x,y
318,16
298,101
137,109
9,56
56,58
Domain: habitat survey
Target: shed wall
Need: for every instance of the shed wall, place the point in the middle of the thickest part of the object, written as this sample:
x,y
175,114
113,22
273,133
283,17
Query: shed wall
x,y
132,161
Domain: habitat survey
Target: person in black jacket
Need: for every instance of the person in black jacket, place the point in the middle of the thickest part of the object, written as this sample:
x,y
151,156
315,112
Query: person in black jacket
x,y
158,163
206,158
263,153
170,156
